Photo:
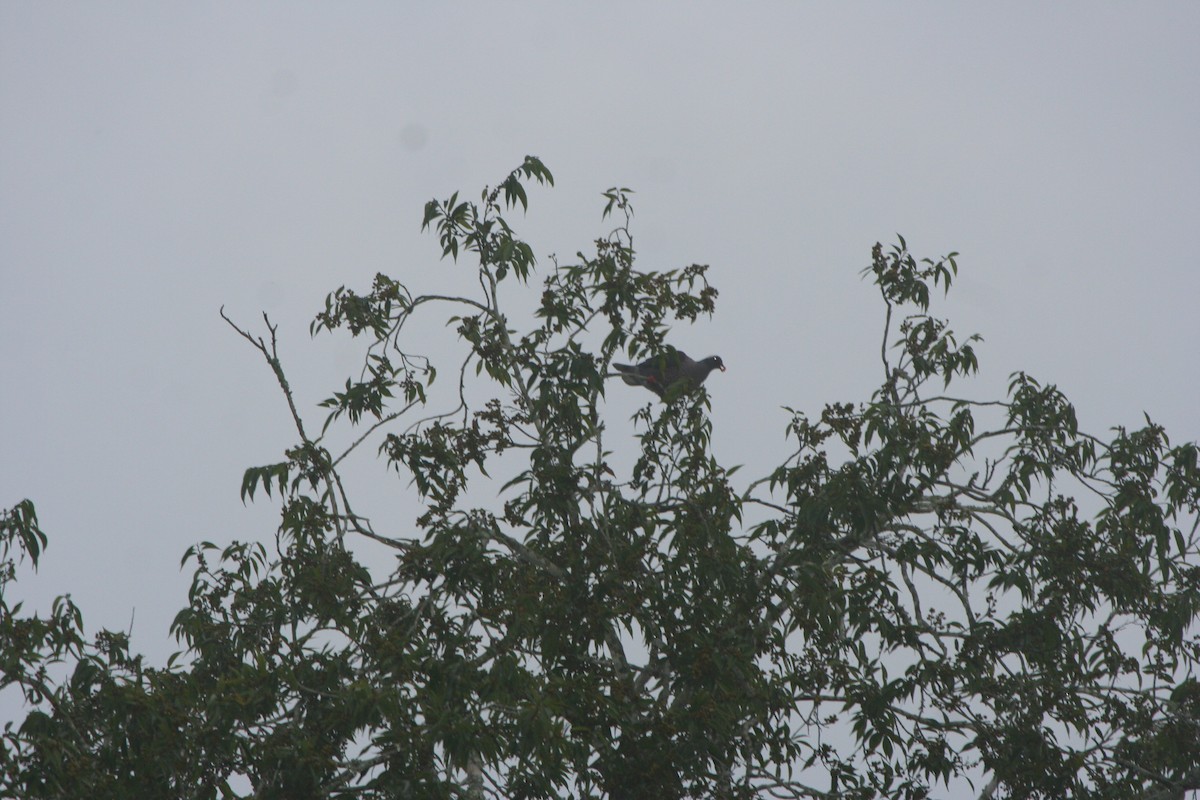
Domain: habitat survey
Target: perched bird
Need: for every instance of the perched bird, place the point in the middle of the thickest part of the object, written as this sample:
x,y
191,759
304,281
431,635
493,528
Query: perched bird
x,y
661,372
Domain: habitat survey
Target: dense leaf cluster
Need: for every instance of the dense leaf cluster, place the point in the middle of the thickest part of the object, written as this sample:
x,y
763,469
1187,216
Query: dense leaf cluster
x,y
931,595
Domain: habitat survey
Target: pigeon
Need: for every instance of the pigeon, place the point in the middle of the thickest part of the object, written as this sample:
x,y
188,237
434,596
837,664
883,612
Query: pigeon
x,y
659,373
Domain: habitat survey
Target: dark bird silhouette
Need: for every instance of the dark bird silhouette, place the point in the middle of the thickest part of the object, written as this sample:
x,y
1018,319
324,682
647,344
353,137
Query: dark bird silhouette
x,y
661,372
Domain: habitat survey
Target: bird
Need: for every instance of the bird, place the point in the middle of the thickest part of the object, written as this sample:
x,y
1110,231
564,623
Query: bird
x,y
659,373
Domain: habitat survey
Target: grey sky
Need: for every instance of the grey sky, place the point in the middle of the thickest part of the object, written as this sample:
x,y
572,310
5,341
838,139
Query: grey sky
x,y
160,160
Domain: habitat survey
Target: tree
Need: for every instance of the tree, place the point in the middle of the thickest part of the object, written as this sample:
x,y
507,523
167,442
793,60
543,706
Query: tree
x,y
930,591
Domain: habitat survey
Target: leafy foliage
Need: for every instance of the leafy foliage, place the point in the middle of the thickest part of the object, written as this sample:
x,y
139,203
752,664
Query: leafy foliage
x,y
930,590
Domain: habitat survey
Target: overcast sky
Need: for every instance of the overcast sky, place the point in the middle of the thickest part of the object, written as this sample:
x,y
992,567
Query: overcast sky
x,y
160,160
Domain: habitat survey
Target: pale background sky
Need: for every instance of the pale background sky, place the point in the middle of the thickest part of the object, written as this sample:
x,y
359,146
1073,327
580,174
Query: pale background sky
x,y
159,160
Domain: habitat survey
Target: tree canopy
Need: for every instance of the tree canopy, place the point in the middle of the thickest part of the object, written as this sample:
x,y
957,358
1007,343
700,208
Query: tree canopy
x,y
931,595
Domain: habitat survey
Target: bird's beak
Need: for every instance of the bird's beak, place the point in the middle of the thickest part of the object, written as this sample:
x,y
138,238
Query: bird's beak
x,y
722,368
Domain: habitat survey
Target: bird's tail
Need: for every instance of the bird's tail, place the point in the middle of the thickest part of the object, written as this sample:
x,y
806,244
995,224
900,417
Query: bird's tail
x,y
629,374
